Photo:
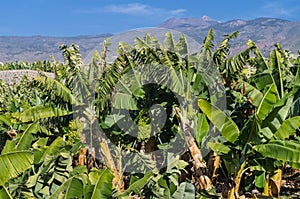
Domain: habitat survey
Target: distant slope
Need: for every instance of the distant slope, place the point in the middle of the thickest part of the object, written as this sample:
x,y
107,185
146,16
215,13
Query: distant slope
x,y
264,31
15,48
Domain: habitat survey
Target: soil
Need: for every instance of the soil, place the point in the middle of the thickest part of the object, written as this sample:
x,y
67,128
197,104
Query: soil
x,y
290,183
290,188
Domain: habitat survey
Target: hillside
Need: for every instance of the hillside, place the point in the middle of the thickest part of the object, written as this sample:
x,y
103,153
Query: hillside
x,y
15,48
264,31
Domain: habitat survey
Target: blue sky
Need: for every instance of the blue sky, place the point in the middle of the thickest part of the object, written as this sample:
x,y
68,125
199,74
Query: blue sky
x,y
89,17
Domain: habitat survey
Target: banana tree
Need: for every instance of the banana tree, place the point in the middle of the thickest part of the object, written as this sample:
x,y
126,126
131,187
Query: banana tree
x,y
267,108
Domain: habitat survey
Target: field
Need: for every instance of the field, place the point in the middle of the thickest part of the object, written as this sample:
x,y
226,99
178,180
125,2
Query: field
x,y
157,122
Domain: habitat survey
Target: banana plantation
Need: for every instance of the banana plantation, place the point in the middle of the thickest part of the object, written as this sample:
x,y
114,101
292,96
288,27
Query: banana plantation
x,y
157,122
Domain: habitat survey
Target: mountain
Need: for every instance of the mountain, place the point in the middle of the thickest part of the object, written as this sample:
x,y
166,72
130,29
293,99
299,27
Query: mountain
x,y
265,32
188,23
31,48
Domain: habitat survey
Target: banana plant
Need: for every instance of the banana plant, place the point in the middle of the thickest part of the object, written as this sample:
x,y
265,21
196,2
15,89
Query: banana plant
x,y
270,109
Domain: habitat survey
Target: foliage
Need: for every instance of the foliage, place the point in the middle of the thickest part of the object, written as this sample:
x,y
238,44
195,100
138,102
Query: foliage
x,y
53,132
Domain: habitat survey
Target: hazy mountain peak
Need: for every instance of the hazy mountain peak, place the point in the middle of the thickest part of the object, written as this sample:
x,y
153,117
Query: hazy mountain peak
x,y
203,22
207,18
237,22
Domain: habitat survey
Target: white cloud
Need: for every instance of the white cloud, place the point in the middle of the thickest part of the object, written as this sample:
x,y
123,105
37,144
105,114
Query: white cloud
x,y
137,9
132,9
278,9
178,11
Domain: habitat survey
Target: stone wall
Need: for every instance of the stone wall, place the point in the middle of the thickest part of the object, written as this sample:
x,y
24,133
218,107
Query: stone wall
x,y
15,76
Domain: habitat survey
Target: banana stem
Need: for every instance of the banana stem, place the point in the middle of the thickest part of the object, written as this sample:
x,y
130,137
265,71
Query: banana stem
x,y
266,188
234,190
276,181
216,165
109,162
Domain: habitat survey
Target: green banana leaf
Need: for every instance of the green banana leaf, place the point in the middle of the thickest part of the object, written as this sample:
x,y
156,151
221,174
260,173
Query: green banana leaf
x,y
6,120
288,128
267,103
4,193
137,185
53,149
219,148
287,151
22,141
71,188
169,42
279,113
61,90
103,186
124,101
253,94
13,164
186,190
40,112
223,123
182,46
202,128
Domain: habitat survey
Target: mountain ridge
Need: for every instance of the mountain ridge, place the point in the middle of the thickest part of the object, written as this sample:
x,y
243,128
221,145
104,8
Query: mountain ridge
x,y
173,23
265,32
